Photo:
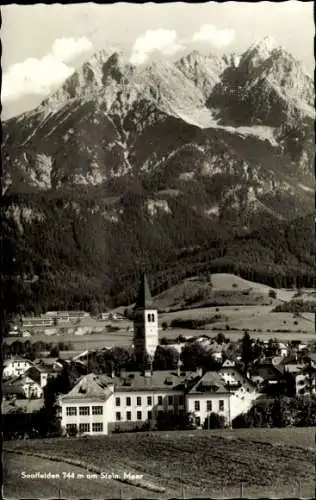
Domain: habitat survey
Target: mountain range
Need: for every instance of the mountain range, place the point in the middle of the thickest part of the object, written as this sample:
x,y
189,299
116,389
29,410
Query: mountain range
x,y
126,167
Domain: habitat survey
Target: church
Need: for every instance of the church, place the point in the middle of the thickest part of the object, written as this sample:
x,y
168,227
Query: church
x,y
101,404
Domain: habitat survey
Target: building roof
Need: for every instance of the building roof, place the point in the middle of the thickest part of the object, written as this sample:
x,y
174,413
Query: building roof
x,y
312,356
19,381
12,389
210,382
144,299
22,405
8,361
163,380
278,369
294,368
91,386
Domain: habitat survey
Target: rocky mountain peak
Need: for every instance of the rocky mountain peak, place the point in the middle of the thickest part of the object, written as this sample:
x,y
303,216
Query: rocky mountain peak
x,y
259,51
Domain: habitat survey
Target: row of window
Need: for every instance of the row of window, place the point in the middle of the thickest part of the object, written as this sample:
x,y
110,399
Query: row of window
x,y
197,406
83,410
98,410
139,415
128,401
96,427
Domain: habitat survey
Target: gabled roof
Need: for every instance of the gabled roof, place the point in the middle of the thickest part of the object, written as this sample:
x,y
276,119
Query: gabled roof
x,y
144,299
163,380
8,361
211,382
277,369
20,381
91,386
228,363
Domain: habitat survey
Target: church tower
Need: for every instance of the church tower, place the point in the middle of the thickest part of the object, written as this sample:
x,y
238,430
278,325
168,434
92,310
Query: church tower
x,y
145,325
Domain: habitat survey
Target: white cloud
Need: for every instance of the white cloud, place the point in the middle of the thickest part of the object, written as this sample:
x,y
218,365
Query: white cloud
x,y
161,40
219,38
40,76
66,49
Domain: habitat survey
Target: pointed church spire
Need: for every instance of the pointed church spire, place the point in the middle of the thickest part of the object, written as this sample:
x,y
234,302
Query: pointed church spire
x,y
144,298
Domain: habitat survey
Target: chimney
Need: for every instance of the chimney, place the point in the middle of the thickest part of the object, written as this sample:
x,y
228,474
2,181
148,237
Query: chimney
x,y
179,367
199,372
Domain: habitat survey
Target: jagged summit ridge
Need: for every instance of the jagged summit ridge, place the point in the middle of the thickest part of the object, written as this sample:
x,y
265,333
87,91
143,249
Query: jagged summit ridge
x,y
170,122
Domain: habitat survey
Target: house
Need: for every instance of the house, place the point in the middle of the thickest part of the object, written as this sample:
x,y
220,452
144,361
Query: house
x,y
245,392
232,374
25,333
283,350
305,382
50,364
88,407
66,315
267,376
39,374
36,321
104,316
305,376
208,395
22,385
15,366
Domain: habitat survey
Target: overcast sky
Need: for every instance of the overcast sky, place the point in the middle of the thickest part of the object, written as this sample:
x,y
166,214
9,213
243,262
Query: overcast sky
x,y
42,44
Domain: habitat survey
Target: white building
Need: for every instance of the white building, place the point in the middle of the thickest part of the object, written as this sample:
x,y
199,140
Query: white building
x,y
16,366
98,404
23,385
209,395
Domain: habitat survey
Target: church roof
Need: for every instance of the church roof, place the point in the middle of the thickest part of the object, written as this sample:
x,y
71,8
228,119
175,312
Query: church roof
x,y
144,298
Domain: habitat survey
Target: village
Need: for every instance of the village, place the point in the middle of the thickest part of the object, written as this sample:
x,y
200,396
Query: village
x,y
191,382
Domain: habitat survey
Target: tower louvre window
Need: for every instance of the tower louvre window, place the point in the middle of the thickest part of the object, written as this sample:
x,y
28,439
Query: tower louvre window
x,y
149,317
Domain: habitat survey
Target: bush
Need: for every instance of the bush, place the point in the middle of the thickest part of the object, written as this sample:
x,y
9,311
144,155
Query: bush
x,y
272,294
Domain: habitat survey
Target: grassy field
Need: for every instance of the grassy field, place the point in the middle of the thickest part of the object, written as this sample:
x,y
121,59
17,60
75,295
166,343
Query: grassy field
x,y
15,487
224,288
259,320
267,461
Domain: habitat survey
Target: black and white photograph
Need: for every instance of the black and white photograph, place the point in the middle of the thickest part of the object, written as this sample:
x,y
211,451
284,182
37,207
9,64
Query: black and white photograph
x,y
158,291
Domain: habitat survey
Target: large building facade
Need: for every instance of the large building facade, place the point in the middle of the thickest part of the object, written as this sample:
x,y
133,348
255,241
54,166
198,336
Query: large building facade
x,y
99,404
